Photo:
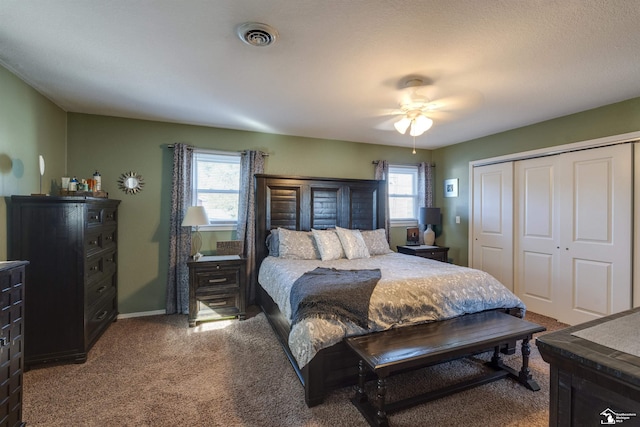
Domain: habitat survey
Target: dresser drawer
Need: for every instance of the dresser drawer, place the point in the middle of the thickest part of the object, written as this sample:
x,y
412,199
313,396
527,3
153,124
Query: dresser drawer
x,y
103,313
100,239
101,215
99,289
98,266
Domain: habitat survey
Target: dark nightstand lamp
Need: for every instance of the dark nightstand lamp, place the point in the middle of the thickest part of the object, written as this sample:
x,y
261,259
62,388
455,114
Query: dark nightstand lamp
x,y
429,217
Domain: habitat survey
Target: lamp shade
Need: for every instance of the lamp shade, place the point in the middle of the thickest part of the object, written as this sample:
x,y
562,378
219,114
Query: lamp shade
x,y
195,216
429,216
420,125
402,125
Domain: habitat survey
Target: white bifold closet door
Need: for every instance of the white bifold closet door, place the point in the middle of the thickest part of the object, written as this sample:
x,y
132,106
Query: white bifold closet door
x,y
573,235
493,221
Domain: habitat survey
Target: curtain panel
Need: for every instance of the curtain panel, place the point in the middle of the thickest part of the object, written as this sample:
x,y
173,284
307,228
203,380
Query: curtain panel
x,y
177,298
252,163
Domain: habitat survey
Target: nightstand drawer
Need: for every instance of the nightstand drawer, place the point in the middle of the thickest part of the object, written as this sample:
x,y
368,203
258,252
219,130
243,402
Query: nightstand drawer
x,y
222,279
216,302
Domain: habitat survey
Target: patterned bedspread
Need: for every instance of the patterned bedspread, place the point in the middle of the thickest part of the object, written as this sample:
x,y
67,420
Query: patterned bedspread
x,y
411,290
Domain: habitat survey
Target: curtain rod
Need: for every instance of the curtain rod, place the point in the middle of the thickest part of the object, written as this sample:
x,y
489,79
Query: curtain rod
x,y
375,162
195,148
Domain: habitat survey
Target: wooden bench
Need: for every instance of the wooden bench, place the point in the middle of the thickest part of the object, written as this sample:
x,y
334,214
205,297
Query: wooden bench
x,y
402,349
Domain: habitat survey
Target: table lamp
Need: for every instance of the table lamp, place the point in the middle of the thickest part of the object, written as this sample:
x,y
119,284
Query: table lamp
x,y
195,217
429,217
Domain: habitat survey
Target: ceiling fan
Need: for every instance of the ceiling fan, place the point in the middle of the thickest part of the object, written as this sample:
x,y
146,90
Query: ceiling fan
x,y
418,110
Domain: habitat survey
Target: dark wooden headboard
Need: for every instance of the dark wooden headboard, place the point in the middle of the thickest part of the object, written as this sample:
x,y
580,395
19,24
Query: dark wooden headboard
x,y
303,203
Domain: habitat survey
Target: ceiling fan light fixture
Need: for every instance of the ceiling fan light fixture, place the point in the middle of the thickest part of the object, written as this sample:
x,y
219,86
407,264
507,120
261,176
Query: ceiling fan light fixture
x,y
402,125
420,125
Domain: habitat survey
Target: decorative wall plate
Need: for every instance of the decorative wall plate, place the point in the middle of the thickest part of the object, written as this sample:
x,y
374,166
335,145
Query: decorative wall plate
x,y
130,182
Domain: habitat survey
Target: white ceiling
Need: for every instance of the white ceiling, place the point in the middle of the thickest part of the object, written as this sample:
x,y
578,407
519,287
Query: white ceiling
x,y
336,68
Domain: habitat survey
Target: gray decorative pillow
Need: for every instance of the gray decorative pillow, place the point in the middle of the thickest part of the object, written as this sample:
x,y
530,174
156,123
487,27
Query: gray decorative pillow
x,y
328,244
273,243
376,241
297,244
352,243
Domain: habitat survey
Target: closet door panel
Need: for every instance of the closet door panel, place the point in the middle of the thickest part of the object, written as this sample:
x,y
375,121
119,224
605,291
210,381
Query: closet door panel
x,y
537,234
596,215
493,221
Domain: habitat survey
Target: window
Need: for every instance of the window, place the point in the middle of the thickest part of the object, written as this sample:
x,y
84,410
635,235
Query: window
x,y
216,186
403,194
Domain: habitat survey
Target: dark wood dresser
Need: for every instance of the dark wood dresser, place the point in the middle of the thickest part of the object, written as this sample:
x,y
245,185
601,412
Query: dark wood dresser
x,y
71,244
590,383
439,253
216,288
12,284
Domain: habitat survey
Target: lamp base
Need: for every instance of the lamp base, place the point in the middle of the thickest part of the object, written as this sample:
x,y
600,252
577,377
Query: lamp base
x,y
429,236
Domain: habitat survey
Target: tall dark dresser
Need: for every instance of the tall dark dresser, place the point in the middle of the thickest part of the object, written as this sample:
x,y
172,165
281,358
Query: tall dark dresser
x,y
12,284
71,244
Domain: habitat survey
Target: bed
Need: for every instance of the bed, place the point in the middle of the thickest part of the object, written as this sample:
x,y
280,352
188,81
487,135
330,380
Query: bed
x,y
408,290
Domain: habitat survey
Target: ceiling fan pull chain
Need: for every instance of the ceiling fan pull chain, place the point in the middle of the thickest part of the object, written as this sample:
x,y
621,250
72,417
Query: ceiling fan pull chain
x,y
414,145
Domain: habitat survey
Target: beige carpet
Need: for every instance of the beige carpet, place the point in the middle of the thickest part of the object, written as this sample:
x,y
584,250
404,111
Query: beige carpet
x,y
155,371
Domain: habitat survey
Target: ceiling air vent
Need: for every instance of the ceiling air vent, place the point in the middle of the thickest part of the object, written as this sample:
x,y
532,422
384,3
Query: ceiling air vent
x,y
257,34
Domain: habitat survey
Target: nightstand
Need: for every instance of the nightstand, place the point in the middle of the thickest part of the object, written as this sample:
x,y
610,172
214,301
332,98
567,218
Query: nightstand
x,y
216,288
439,253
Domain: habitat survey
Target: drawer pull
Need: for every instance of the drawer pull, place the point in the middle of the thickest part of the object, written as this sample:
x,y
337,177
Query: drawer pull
x,y
109,216
102,315
94,217
101,289
93,242
224,279
109,259
94,268
109,237
4,342
218,303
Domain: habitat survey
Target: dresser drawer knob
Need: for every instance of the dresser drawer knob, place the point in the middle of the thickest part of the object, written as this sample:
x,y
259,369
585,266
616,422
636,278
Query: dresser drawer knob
x,y
93,242
224,279
102,315
94,268
109,237
101,289
4,342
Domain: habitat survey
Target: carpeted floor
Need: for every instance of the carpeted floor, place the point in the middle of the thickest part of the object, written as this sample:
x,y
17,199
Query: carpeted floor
x,y
155,371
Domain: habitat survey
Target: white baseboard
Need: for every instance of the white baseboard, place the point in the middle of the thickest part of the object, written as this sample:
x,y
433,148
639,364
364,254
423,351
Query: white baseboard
x,y
142,314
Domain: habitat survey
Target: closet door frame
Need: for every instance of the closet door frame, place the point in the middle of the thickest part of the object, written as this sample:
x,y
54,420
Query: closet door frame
x,y
593,143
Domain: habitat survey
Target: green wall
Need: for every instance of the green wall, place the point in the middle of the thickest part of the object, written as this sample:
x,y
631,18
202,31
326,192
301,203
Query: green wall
x,y
115,146
453,161
30,125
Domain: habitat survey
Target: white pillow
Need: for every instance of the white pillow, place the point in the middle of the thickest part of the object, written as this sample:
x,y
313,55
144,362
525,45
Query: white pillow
x,y
376,241
297,244
328,244
352,243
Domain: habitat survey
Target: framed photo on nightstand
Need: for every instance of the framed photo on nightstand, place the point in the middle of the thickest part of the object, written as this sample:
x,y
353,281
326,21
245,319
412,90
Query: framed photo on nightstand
x,y
413,236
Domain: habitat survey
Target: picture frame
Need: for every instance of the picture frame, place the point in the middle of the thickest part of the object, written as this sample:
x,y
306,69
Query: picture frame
x,y
451,187
413,236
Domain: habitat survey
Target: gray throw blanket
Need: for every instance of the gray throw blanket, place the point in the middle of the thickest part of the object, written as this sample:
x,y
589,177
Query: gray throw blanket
x,y
329,293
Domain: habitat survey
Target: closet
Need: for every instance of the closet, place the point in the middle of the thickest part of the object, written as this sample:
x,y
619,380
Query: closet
x,y
572,216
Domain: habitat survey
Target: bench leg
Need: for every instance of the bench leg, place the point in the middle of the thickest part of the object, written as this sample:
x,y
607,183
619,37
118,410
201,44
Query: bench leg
x,y
525,376
381,415
361,395
496,360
